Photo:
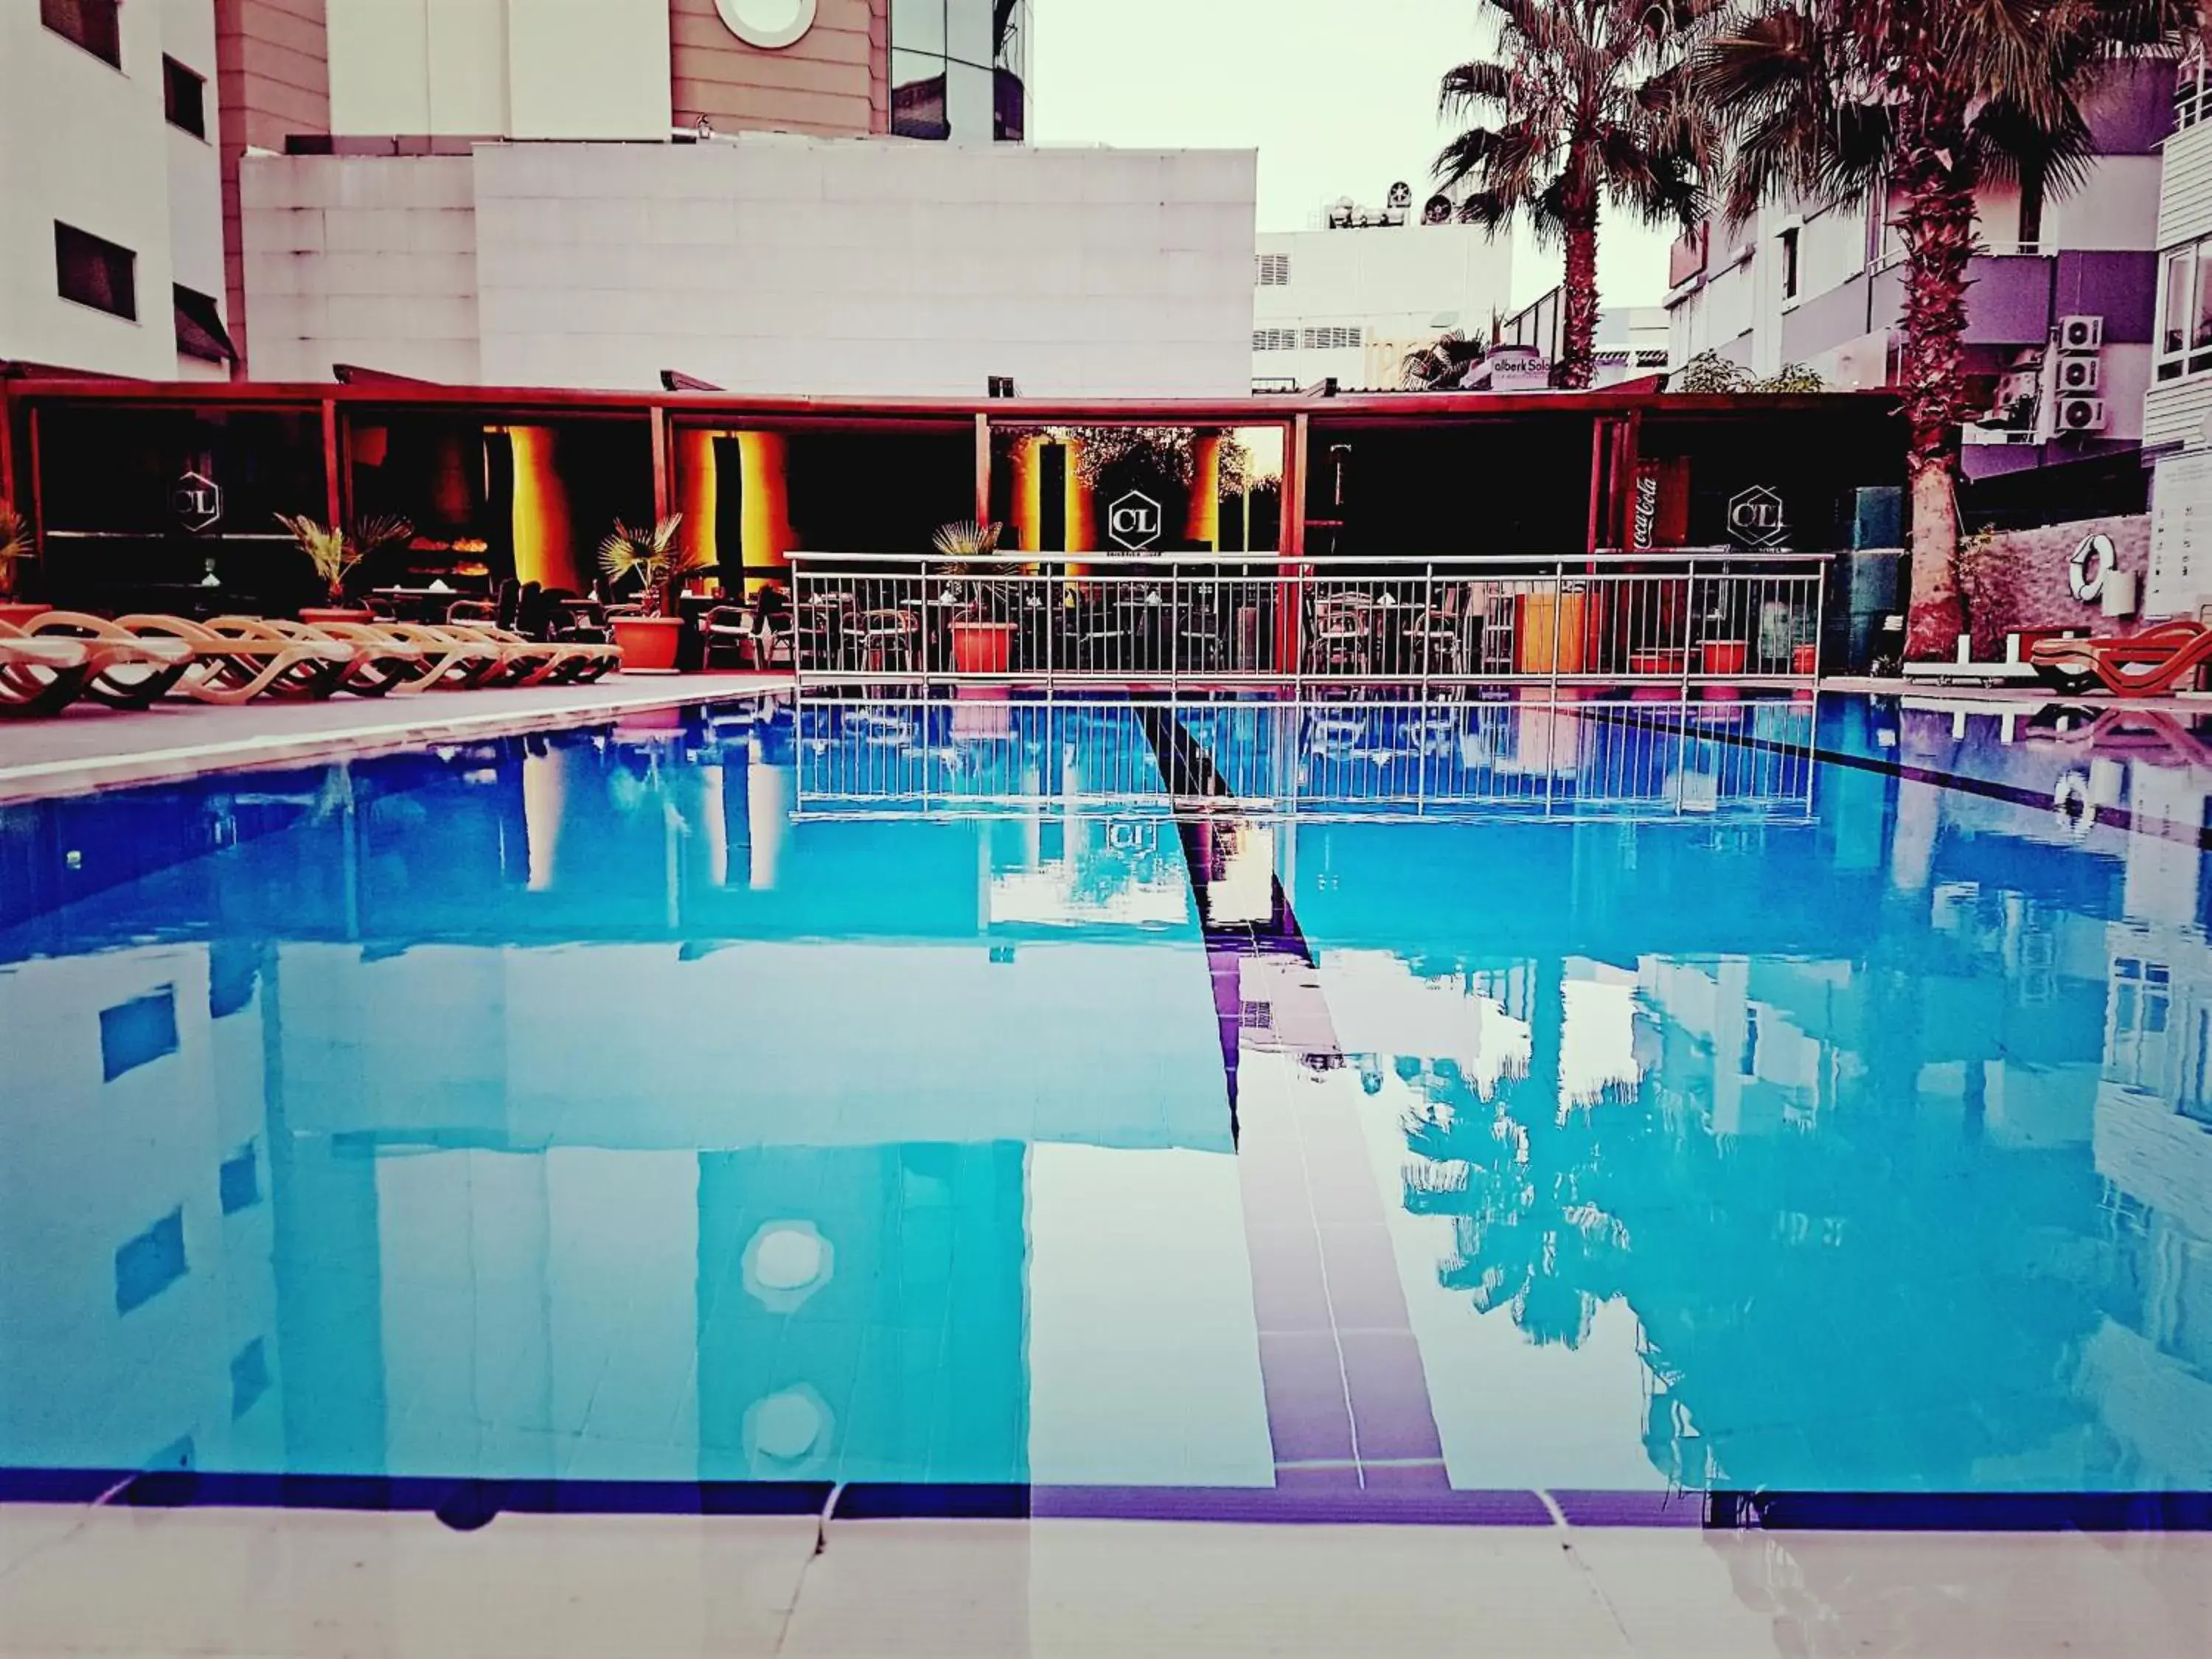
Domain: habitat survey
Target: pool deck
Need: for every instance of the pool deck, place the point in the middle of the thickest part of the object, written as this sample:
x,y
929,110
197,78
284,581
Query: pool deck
x,y
88,747
115,1580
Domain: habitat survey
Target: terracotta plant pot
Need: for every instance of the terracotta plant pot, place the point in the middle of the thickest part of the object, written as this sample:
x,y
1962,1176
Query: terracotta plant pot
x,y
648,643
1804,658
1725,656
982,648
313,614
16,612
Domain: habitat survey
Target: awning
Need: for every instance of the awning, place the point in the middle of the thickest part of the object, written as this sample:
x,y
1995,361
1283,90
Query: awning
x,y
200,332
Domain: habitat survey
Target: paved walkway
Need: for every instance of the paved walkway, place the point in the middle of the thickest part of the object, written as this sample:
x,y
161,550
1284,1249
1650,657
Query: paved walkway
x,y
116,1580
89,747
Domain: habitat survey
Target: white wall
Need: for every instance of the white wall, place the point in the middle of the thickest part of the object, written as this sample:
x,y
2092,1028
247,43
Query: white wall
x,y
530,69
589,69
1400,285
856,266
361,259
2115,208
85,143
773,264
195,169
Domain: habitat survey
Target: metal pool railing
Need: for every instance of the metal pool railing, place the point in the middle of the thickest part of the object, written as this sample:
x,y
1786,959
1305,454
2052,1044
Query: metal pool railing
x,y
1677,617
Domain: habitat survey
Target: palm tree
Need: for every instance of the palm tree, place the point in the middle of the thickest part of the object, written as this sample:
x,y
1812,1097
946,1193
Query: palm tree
x,y
1443,364
1830,99
1585,103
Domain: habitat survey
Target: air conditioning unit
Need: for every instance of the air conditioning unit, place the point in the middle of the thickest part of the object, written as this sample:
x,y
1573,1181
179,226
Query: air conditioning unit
x,y
2078,334
2077,375
2079,414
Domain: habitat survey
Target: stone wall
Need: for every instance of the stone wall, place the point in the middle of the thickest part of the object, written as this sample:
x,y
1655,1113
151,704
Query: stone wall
x,y
2020,579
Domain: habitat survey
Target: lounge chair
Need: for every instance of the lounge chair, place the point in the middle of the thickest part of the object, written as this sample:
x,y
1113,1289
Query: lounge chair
x,y
127,670
539,662
40,676
237,659
376,663
2146,664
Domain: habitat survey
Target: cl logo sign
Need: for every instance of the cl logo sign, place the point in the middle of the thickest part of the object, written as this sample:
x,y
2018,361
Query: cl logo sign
x,y
196,502
1134,521
1754,518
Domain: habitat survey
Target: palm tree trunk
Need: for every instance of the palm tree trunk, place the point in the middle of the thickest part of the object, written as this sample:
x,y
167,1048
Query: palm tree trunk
x,y
1938,223
1579,326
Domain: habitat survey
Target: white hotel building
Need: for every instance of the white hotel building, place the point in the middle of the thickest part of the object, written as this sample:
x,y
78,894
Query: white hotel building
x,y
109,166
594,192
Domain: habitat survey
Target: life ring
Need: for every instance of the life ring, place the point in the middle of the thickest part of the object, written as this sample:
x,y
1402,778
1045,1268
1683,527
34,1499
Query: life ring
x,y
2071,805
2092,561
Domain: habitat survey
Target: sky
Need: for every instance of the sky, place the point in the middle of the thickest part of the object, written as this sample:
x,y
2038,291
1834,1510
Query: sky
x,y
1338,96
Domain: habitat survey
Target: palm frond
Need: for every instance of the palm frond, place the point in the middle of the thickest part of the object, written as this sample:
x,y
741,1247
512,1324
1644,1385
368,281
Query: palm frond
x,y
967,539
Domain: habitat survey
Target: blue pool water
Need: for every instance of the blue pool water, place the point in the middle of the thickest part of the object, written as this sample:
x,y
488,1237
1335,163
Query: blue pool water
x,y
1350,1100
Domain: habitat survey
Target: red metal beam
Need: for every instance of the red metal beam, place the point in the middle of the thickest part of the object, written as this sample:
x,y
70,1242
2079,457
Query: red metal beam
x,y
1413,409
333,504
982,467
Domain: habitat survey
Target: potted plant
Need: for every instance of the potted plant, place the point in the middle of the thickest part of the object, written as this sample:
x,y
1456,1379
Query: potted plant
x,y
982,643
649,634
334,552
15,550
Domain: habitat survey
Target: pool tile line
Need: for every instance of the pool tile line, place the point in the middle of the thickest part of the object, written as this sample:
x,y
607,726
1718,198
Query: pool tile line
x,y
1346,1389
468,1504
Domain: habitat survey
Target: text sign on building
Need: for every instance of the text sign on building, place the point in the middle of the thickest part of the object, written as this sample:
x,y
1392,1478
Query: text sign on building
x,y
1134,522
1755,519
196,502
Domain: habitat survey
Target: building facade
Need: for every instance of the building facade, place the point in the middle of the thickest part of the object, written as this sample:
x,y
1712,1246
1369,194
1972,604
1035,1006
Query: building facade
x,y
1348,300
127,128
759,263
2178,409
1823,286
109,144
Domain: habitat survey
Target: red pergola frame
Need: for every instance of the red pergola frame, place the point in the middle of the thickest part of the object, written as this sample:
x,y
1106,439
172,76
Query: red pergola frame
x,y
1615,416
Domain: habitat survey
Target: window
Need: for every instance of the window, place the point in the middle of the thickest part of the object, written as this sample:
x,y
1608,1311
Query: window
x,y
1273,271
200,332
238,1180
249,1378
96,272
2134,1043
1274,339
184,98
1790,263
959,68
2184,311
137,1033
1334,338
2192,91
150,1263
93,24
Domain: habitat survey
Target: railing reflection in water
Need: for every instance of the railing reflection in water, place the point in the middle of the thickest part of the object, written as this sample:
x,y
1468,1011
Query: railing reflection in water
x,y
1675,615
1370,757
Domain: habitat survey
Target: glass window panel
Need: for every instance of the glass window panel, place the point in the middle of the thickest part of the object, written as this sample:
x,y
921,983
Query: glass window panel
x,y
2203,334
918,96
970,95
2173,330
1011,27
918,25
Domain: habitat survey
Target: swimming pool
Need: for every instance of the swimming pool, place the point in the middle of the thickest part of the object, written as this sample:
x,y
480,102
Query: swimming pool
x,y
1468,1109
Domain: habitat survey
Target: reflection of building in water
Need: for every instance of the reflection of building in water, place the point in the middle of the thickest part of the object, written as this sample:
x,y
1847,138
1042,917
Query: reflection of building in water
x,y
397,1176
141,1312
1758,1124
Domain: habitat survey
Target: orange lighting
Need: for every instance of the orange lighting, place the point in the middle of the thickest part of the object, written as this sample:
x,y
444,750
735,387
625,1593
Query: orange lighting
x,y
544,540
699,488
769,537
1202,523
